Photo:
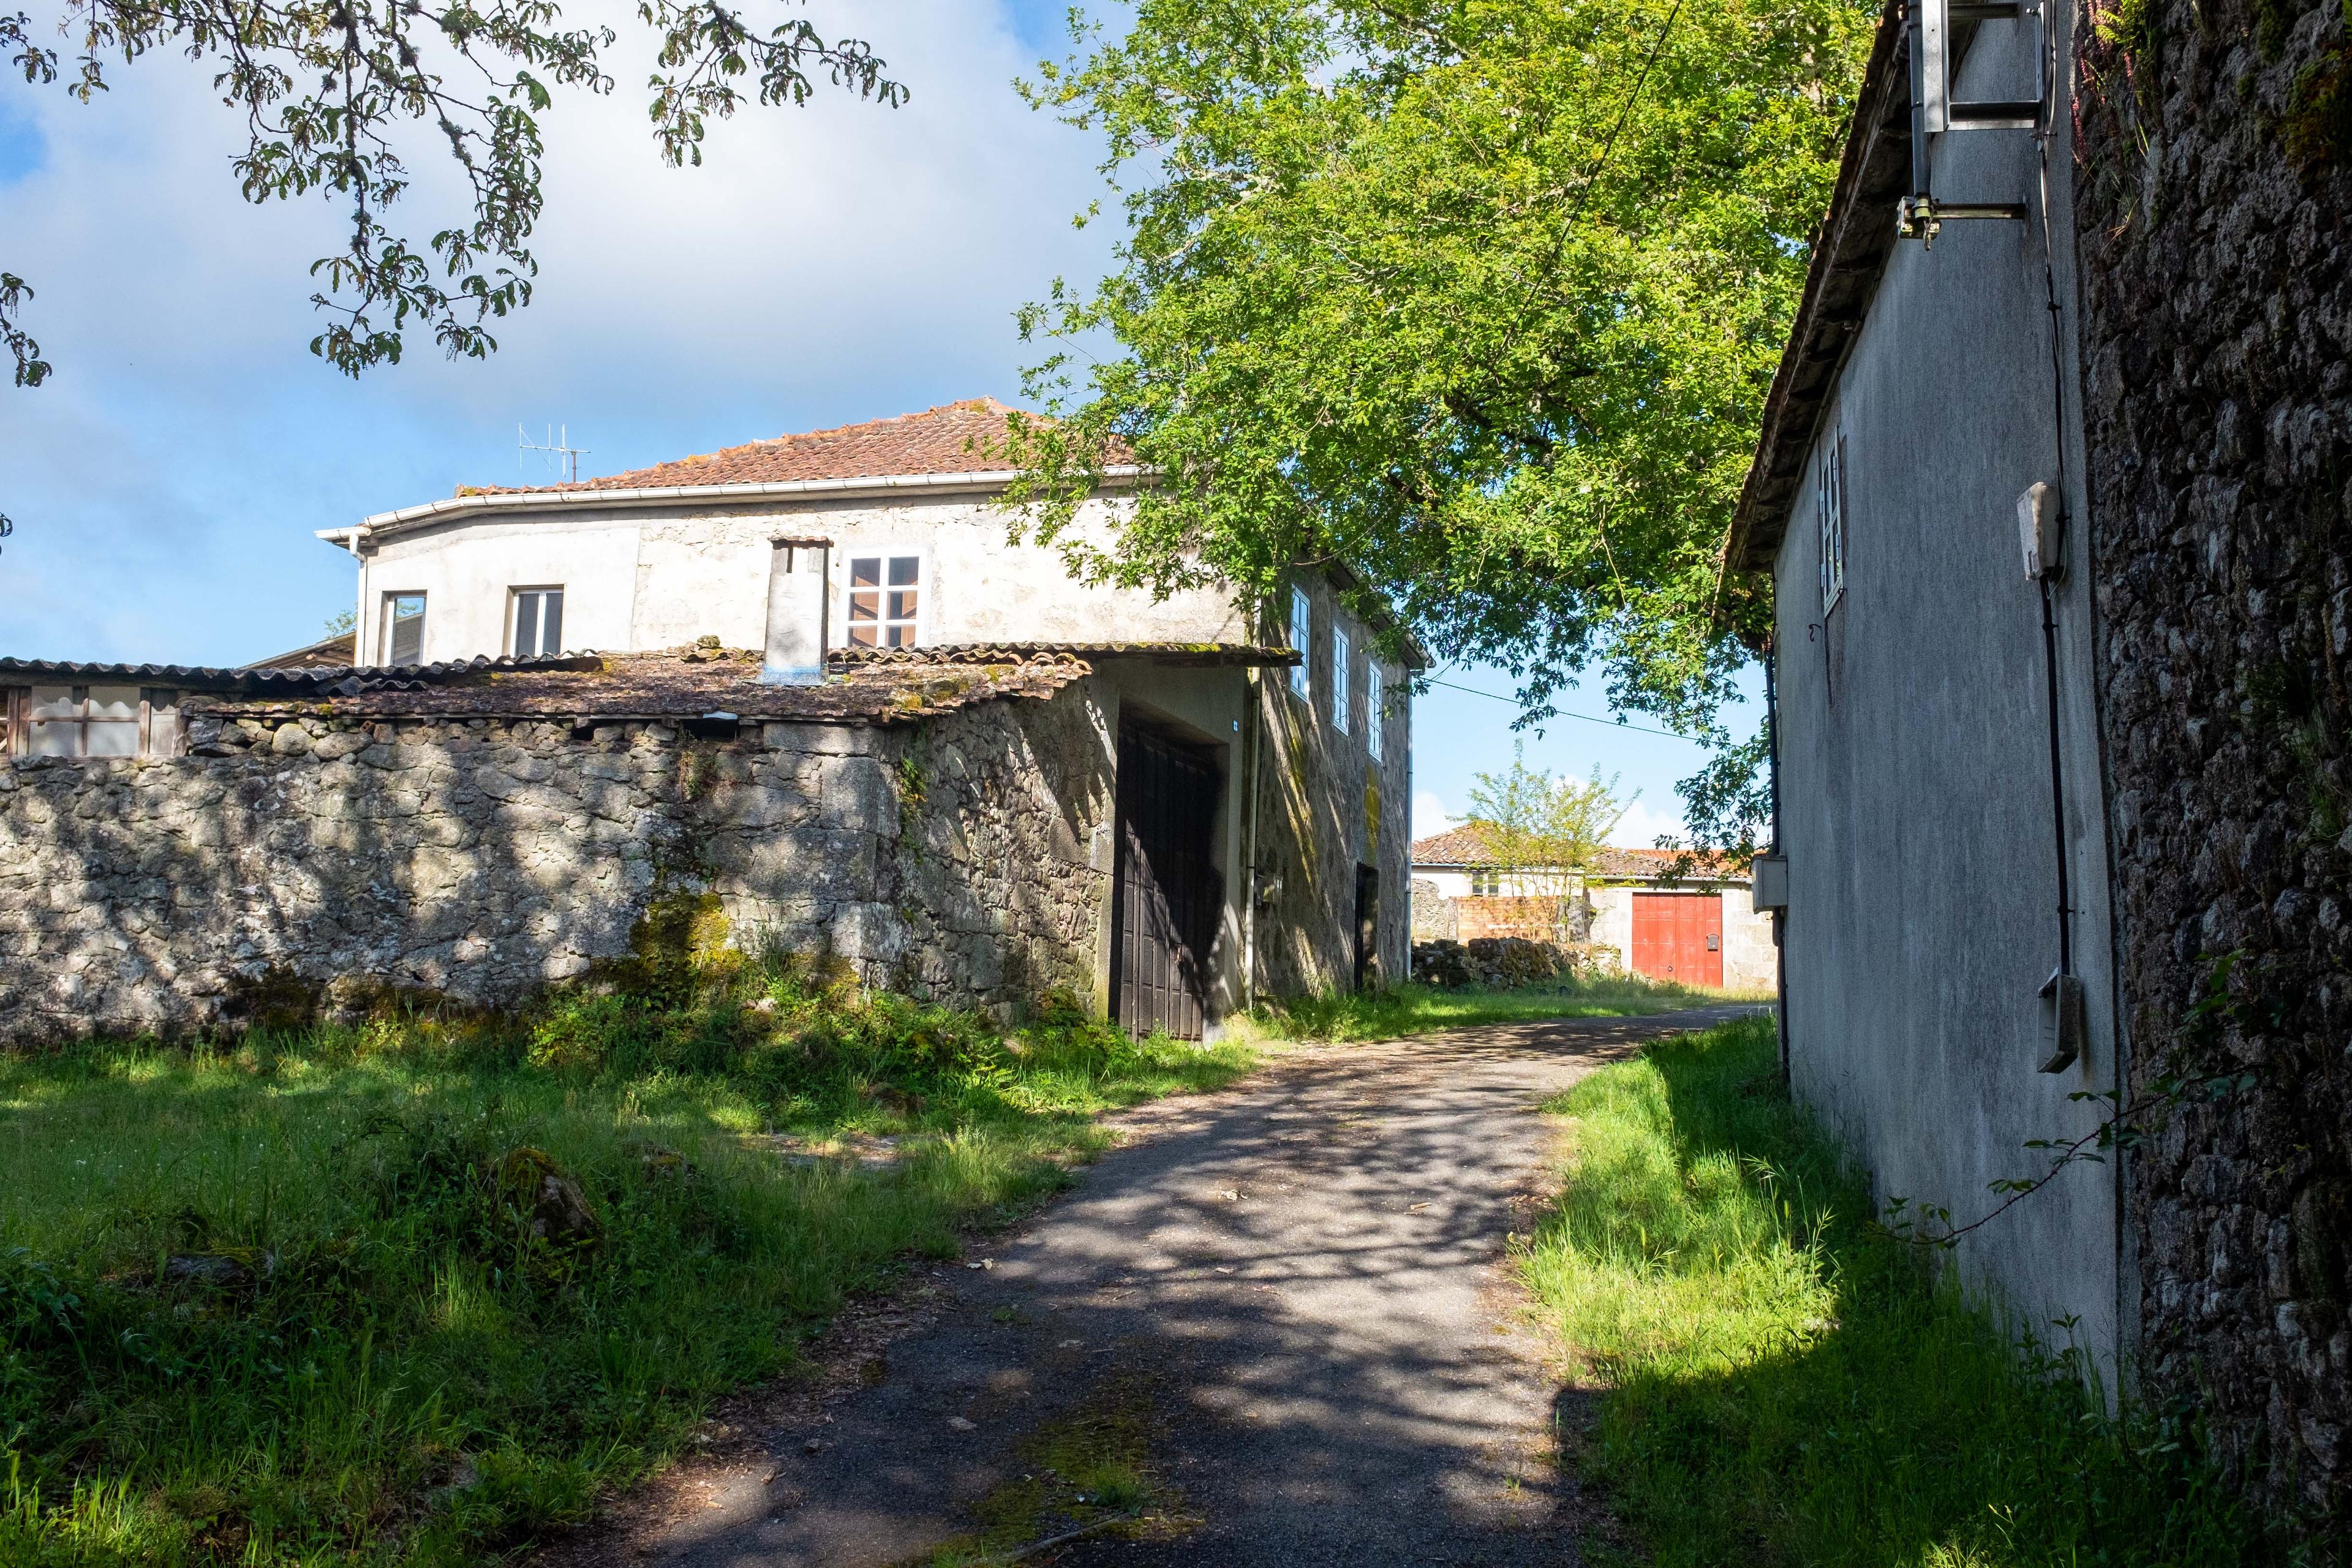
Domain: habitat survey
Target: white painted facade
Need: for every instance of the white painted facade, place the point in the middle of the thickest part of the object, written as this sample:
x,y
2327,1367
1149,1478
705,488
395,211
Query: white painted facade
x,y
640,572
650,569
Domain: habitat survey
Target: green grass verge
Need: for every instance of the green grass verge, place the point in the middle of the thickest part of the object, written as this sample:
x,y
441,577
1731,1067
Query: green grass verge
x,y
287,1302
1413,1009
1787,1383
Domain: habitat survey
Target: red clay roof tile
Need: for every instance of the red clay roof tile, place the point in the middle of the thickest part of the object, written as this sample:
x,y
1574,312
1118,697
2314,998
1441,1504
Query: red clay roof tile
x,y
963,438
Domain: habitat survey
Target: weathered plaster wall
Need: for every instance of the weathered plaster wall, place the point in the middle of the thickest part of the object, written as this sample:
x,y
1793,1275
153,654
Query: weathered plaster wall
x,y
2215,168
1915,788
1326,807
965,857
660,576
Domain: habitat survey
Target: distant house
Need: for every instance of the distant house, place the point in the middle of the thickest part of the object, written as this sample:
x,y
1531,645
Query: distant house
x,y
809,679
1699,930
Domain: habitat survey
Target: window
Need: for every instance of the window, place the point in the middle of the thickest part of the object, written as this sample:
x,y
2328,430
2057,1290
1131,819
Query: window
x,y
1485,884
1340,654
1302,622
1373,694
403,628
885,600
91,721
1830,500
538,621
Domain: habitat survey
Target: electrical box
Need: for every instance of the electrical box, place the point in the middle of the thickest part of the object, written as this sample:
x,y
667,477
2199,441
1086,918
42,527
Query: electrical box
x,y
2064,1021
1770,886
2041,532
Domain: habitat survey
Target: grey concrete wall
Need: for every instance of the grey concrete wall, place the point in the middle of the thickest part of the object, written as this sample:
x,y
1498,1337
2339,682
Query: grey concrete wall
x,y
1327,806
1916,807
964,858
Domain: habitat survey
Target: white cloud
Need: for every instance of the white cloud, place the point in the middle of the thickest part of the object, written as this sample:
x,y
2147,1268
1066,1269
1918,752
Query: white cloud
x,y
826,264
1429,814
1642,827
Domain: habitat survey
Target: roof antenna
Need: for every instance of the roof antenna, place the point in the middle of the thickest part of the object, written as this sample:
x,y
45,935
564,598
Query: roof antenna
x,y
562,457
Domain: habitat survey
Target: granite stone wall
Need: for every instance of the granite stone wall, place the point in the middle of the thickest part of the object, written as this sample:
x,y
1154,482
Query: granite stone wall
x,y
2214,142
328,860
1326,808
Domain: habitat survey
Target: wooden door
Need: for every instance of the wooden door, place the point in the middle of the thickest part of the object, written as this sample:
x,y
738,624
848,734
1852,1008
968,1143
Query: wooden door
x,y
1165,905
1679,937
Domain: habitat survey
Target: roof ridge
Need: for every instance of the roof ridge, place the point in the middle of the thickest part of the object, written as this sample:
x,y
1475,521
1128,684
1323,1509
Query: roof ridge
x,y
790,442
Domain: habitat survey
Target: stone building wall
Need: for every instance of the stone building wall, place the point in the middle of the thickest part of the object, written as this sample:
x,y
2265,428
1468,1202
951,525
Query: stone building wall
x,y
2214,169
966,857
1326,807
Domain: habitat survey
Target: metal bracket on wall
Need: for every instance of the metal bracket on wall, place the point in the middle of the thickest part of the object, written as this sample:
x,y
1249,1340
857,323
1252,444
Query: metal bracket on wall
x,y
1935,111
2063,1022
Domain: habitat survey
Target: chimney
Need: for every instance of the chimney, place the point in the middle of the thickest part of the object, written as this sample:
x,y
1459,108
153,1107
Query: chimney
x,y
797,607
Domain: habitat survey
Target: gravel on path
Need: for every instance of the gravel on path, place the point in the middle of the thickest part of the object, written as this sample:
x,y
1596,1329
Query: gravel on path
x,y
1298,1291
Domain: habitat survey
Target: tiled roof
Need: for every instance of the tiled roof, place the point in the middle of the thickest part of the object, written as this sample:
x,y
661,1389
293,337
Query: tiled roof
x,y
717,684
1204,653
965,438
291,679
1458,846
1463,846
338,652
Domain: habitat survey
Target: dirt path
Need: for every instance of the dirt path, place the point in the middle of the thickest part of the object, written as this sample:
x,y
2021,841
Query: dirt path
x,y
1287,1301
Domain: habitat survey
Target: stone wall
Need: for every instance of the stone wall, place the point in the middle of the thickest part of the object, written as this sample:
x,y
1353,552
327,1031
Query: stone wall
x,y
1325,807
2215,140
966,857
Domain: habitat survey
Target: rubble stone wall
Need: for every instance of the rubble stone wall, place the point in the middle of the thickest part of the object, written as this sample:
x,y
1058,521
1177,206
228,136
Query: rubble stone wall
x,y
966,857
2214,176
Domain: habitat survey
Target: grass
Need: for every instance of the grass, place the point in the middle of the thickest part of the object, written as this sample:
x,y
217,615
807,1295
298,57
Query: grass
x,y
1786,1383
1087,1473
1412,1008
289,1301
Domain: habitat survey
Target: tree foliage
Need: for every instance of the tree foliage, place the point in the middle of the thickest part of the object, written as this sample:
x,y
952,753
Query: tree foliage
x,y
329,90
1543,834
1479,298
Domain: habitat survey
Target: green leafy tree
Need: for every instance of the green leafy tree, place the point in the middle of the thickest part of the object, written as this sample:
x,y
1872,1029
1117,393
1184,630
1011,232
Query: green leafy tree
x,y
1541,834
1478,299
330,93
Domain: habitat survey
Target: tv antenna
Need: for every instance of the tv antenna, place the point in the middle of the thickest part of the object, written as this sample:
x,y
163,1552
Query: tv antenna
x,y
561,456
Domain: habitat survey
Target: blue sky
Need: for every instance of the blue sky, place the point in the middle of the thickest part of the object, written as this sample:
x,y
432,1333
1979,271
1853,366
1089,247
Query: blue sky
x,y
828,263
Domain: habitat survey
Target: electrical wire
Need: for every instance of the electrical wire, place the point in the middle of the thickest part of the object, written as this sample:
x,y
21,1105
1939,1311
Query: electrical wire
x,y
1584,718
1623,114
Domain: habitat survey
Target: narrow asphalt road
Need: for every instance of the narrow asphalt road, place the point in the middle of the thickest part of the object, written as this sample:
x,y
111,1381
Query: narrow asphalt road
x,y
1294,1294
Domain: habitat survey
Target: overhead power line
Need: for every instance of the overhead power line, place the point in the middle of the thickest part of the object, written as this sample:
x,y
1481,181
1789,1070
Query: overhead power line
x,y
1584,718
1623,114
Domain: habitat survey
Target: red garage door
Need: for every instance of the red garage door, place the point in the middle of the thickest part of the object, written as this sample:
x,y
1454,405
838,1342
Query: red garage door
x,y
1679,937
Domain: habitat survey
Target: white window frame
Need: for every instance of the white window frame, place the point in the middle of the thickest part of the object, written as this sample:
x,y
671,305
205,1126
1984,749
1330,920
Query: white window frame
x,y
1486,883
1302,637
1343,657
1829,510
385,622
1375,695
925,590
514,611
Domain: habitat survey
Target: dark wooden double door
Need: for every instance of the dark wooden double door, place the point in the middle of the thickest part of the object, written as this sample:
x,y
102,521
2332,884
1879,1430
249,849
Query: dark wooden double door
x,y
1165,907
